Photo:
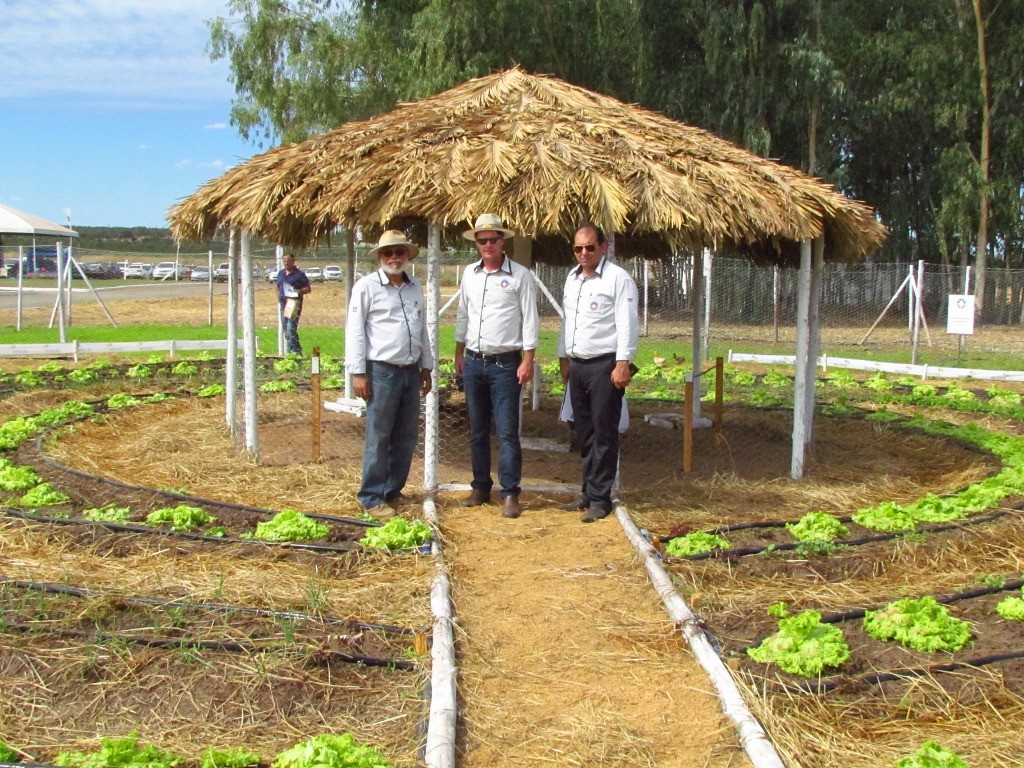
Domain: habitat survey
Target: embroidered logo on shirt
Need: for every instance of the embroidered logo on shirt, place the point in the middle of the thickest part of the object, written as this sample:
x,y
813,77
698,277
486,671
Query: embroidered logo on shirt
x,y
593,306
504,284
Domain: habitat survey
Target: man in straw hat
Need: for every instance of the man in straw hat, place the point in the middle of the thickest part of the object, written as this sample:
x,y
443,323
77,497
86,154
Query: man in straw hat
x,y
496,333
595,348
388,354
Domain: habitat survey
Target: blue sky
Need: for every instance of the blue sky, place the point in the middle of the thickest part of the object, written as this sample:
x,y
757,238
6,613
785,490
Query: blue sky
x,y
111,108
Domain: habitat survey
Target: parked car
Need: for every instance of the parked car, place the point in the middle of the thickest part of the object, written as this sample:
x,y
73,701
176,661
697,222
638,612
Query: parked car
x,y
101,270
136,269
332,272
199,274
314,274
169,270
271,273
221,272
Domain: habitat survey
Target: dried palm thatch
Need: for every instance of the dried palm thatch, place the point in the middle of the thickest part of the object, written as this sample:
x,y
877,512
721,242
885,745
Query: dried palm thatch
x,y
545,155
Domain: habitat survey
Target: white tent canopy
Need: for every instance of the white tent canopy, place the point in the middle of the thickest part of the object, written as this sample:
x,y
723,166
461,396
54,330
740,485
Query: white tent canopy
x,y
15,222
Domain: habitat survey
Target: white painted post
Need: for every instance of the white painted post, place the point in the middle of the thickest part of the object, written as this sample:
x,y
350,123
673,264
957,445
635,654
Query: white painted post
x,y
813,333
911,308
708,261
60,294
231,356
802,362
647,292
252,439
209,284
697,302
432,418
279,261
21,282
350,281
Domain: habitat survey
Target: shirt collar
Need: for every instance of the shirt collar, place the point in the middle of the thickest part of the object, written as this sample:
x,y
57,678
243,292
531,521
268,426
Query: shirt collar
x,y
385,278
505,266
600,268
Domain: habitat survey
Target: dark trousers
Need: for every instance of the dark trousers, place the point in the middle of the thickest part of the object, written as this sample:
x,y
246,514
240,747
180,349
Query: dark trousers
x,y
596,407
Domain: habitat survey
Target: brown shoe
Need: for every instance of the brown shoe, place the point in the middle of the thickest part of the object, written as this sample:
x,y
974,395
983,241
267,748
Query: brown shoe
x,y
510,507
476,498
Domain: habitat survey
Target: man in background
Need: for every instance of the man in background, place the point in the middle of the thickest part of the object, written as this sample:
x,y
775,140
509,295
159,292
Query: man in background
x,y
292,286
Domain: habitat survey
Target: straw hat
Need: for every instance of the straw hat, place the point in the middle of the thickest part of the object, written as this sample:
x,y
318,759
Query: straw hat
x,y
393,238
488,222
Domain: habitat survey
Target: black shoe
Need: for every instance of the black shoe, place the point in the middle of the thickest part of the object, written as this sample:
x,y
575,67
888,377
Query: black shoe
x,y
579,503
594,514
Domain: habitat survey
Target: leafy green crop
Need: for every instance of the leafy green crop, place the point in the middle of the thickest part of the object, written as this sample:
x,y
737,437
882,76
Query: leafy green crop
x,y
743,379
228,758
1012,608
817,526
334,381
211,391
82,376
931,755
122,400
922,624
14,478
803,646
936,509
286,365
28,379
182,517
887,516
879,383
185,368
43,495
329,751
397,533
290,525
16,431
120,753
8,755
776,379
959,394
139,371
108,513
277,386
696,543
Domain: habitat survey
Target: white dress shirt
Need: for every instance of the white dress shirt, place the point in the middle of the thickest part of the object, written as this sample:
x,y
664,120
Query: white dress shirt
x,y
386,323
600,314
497,310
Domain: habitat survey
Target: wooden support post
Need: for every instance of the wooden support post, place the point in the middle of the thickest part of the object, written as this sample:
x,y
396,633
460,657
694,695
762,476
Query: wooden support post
x,y
688,425
314,380
719,386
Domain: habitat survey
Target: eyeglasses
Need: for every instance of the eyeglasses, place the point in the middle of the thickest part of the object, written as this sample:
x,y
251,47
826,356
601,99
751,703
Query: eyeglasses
x,y
489,240
388,252
589,248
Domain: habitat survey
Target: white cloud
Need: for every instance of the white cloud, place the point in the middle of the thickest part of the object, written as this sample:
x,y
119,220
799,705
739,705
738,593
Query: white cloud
x,y
215,126
111,51
142,146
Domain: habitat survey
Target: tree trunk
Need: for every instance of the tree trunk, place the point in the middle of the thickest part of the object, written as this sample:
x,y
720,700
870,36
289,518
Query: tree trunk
x,y
981,248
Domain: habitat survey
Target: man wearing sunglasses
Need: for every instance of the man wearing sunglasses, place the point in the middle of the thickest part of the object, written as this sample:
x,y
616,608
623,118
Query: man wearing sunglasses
x,y
595,347
387,351
496,333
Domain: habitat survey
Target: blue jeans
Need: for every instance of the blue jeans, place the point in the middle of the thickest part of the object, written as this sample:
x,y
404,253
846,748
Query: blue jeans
x,y
392,425
291,335
494,388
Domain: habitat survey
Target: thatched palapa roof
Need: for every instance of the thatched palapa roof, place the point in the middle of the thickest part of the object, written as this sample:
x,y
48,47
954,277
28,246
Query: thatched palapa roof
x,y
546,156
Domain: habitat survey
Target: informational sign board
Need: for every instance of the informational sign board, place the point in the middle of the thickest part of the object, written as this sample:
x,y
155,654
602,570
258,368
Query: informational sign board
x,y
960,315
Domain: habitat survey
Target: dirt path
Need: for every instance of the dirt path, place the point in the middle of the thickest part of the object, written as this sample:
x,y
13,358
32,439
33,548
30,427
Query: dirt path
x,y
566,655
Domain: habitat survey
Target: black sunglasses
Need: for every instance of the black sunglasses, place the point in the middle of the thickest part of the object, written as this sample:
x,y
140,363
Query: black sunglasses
x,y
589,248
387,252
489,240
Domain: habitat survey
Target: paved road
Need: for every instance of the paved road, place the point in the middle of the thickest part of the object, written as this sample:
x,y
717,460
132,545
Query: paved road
x,y
39,296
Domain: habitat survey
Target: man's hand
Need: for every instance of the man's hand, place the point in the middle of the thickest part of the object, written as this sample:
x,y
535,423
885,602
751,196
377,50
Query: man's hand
x,y
426,381
361,386
460,359
525,371
563,368
621,374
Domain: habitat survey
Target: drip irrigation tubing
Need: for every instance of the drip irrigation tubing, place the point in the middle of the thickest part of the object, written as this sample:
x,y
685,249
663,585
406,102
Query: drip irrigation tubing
x,y
185,496
727,554
230,646
326,548
874,678
67,589
836,618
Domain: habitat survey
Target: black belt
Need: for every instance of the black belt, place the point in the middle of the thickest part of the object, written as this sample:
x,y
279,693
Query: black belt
x,y
599,359
394,365
515,356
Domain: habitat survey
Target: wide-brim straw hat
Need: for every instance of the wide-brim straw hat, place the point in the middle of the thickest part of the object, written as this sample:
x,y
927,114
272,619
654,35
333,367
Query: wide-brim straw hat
x,y
392,238
488,222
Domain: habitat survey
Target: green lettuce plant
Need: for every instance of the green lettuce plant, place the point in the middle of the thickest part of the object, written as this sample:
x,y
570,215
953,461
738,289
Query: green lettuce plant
x,y
286,365
213,390
329,751
8,755
43,495
277,386
803,646
228,758
139,371
120,753
887,516
122,400
919,623
82,376
185,368
108,513
931,755
817,526
1012,608
695,543
15,478
290,525
397,533
182,517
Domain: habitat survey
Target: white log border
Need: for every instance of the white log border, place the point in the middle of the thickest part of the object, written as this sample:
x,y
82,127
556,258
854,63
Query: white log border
x,y
444,710
752,736
924,371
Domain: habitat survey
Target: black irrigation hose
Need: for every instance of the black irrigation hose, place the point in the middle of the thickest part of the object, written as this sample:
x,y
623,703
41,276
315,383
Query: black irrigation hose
x,y
726,554
67,589
874,678
836,618
182,534
214,645
187,497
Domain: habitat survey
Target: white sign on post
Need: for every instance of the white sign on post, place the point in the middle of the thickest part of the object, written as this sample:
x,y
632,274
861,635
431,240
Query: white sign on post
x,y
960,315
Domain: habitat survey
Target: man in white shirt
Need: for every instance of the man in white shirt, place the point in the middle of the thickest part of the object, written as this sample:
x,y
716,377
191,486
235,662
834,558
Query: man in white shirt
x,y
387,351
496,334
595,347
